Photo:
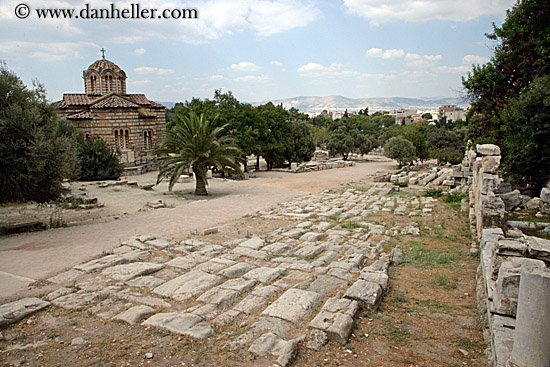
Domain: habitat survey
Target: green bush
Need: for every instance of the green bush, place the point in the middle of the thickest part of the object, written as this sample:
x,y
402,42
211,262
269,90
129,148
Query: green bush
x,y
453,198
98,160
434,193
400,149
34,160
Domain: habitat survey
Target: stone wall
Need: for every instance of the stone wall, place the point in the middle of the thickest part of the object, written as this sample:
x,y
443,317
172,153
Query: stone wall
x,y
502,257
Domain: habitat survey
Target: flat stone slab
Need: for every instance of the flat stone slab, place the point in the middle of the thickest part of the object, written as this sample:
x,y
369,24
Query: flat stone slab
x,y
245,251
270,343
539,248
273,325
135,314
187,262
263,274
67,278
324,284
15,311
336,319
379,277
75,301
187,285
159,243
236,270
277,248
147,281
310,251
255,243
142,298
128,271
368,293
239,285
294,305
181,323
222,298
111,260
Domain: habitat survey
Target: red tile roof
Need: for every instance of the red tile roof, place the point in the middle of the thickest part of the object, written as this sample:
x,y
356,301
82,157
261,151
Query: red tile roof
x,y
76,99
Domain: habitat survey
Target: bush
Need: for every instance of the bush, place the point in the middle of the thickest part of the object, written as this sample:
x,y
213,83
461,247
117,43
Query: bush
x,y
98,160
434,193
34,160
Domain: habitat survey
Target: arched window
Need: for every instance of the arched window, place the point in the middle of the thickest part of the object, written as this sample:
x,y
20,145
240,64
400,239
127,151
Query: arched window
x,y
122,138
148,139
93,81
108,83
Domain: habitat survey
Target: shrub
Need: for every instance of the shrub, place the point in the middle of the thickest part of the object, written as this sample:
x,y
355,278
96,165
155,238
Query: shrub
x,y
34,160
98,160
400,149
434,193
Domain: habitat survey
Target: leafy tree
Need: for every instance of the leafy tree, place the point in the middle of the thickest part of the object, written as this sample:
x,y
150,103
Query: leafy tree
x,y
98,160
419,141
320,135
276,131
400,149
427,116
526,136
302,145
34,159
194,142
521,55
340,142
361,142
445,145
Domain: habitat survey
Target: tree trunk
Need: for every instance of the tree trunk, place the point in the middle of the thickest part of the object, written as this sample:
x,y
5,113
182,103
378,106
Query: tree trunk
x,y
257,162
200,186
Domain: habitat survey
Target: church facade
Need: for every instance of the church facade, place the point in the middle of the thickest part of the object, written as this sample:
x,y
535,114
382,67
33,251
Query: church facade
x,y
130,122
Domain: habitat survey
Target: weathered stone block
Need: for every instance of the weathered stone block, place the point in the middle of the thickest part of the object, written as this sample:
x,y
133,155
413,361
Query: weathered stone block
x,y
545,195
15,311
294,305
181,323
487,149
187,285
489,182
511,247
511,200
336,318
490,164
367,293
538,248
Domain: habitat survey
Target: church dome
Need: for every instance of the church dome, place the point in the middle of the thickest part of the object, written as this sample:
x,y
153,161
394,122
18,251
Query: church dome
x,y
104,77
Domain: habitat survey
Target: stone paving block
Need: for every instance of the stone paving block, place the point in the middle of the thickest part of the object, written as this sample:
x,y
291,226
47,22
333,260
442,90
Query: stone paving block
x,y
225,317
209,250
76,301
277,248
272,324
270,343
312,236
376,277
323,284
310,250
128,271
181,323
67,278
15,311
215,265
341,273
102,263
245,251
137,297
159,243
250,304
238,284
369,294
237,270
254,243
222,298
294,305
187,285
187,262
295,233
135,314
336,318
264,274
147,281
265,291
58,293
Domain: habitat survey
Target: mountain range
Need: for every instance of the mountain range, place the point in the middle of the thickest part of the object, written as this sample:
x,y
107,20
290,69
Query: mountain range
x,y
340,103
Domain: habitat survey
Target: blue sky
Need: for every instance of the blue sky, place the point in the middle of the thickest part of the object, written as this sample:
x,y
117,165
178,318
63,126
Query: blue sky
x,y
260,49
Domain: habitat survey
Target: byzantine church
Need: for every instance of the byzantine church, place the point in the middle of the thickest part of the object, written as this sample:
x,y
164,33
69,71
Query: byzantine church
x,y
130,122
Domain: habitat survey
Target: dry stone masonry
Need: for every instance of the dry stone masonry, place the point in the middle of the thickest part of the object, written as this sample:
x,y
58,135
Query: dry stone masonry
x,y
305,282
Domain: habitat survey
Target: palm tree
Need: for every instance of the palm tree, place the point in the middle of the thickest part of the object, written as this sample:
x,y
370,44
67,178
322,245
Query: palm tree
x,y
194,142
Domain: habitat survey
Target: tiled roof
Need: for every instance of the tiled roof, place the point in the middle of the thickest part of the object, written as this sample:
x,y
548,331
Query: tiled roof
x,y
81,115
103,64
114,101
76,99
140,99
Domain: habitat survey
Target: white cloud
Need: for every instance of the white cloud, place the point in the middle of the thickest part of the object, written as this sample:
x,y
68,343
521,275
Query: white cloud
x,y
314,69
473,59
45,51
421,61
277,63
244,66
153,70
215,77
265,17
139,51
388,54
453,69
379,11
252,78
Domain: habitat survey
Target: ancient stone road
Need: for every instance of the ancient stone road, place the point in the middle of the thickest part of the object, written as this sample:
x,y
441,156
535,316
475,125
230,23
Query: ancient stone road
x,y
307,280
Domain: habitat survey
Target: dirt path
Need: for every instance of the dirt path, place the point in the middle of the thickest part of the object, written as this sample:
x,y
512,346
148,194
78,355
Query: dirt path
x,y
29,257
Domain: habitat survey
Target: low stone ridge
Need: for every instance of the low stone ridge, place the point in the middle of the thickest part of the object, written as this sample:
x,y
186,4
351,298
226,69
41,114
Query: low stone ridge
x,y
15,311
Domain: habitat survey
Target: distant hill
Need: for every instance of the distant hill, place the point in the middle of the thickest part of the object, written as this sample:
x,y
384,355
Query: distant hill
x,y
340,103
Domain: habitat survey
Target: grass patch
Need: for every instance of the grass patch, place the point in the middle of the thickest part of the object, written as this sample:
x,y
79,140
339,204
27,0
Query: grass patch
x,y
350,225
477,345
434,193
419,255
401,184
396,333
433,304
446,282
400,297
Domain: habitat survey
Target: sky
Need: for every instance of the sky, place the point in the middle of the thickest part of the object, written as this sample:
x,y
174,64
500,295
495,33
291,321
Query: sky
x,y
259,50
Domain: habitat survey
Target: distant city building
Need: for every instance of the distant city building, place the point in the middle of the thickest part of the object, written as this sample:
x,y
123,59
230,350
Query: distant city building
x,y
452,112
